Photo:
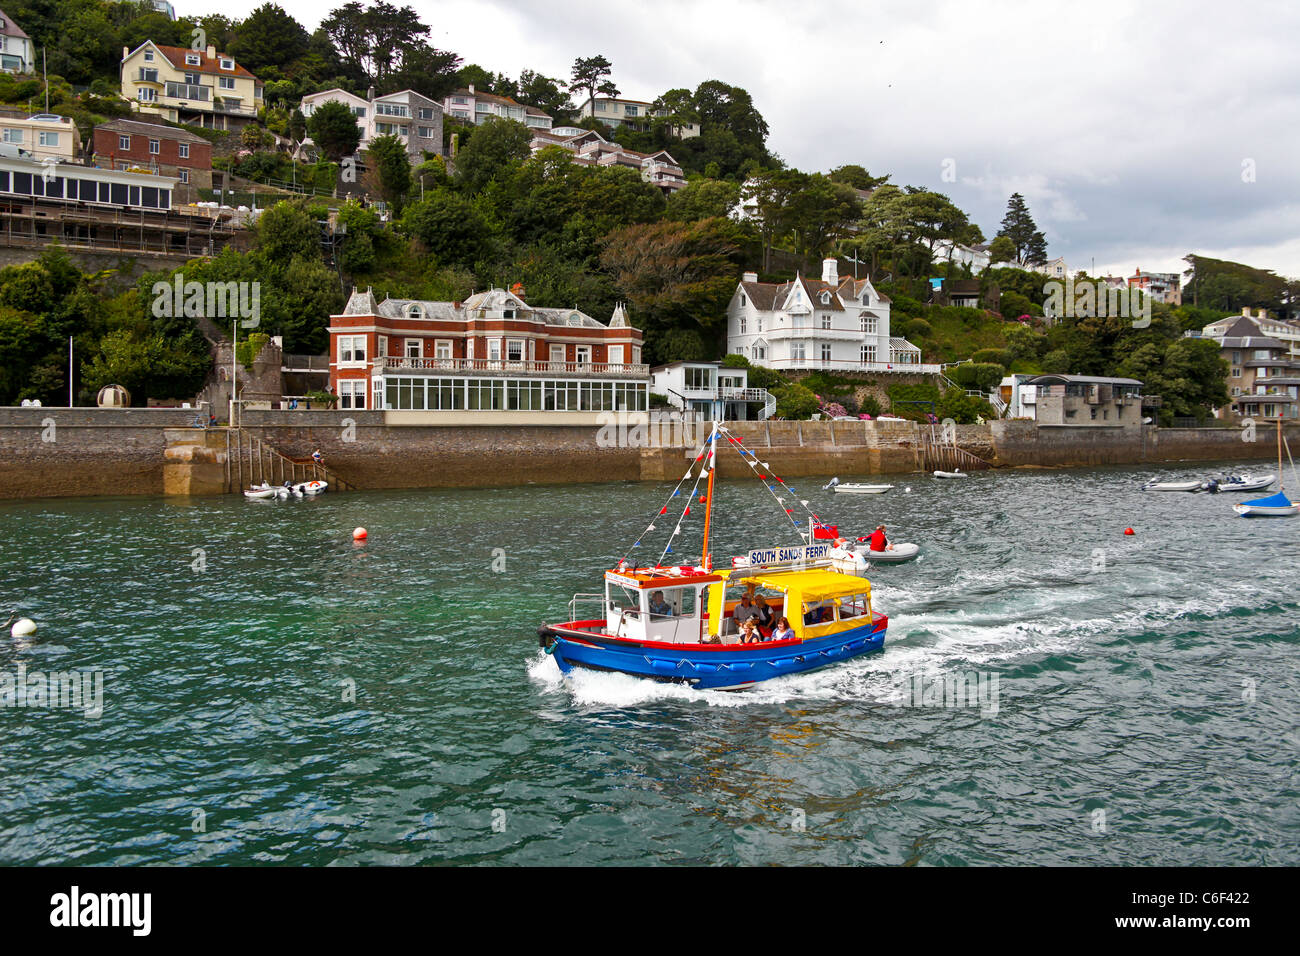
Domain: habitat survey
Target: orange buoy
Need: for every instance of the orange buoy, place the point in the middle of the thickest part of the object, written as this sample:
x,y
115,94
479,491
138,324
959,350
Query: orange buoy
x,y
1129,531
359,534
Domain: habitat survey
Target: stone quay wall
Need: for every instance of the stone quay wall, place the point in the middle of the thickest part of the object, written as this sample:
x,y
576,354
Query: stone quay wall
x,y
58,452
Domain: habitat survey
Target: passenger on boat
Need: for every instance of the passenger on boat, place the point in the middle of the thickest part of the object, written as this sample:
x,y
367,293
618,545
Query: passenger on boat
x,y
878,540
749,632
817,614
659,606
745,610
765,619
783,632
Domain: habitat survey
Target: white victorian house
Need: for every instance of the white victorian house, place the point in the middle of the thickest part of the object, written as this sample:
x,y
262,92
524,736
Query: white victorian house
x,y
833,324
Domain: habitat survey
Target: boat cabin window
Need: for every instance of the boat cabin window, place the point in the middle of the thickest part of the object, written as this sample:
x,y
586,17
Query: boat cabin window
x,y
817,613
855,605
680,602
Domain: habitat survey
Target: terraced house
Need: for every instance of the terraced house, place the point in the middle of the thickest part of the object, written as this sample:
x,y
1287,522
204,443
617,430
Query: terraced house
x,y
199,87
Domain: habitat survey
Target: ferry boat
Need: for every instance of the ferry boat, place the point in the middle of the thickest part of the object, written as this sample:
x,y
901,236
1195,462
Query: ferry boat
x,y
677,623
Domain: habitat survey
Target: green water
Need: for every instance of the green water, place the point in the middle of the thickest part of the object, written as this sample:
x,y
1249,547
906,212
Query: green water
x,y
1149,686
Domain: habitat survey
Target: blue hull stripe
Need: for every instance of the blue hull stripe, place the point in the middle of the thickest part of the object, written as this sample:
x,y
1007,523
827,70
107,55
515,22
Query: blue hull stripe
x,y
716,669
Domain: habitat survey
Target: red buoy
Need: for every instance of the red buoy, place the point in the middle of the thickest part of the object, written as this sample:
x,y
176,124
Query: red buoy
x,y
359,534
1129,531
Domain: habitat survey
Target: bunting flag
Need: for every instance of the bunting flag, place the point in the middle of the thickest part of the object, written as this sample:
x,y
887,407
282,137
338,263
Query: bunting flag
x,y
677,493
663,510
651,528
687,511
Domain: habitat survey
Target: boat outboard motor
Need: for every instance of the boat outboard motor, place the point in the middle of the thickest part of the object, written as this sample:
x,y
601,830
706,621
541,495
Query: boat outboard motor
x,y
1212,486
831,484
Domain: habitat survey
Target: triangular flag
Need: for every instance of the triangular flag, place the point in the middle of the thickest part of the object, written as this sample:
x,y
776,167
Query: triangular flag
x,y
651,528
663,510
677,493
687,511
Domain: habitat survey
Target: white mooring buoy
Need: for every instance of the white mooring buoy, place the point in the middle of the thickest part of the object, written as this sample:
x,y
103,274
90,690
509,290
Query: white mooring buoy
x,y
23,627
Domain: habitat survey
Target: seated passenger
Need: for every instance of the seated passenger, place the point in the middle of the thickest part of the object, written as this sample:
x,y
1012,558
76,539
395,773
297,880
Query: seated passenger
x,y
749,632
659,606
745,610
765,619
878,540
783,632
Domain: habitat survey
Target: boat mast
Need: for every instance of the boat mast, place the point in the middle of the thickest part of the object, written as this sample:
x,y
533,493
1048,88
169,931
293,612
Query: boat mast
x,y
1280,483
706,560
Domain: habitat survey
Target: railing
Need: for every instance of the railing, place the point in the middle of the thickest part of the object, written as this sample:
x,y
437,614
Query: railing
x,y
187,91
399,363
915,368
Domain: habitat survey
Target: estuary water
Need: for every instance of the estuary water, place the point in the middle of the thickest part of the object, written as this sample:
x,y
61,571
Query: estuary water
x,y
274,693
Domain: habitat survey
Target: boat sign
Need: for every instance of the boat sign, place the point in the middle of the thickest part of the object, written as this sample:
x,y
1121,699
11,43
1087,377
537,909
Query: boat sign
x,y
800,552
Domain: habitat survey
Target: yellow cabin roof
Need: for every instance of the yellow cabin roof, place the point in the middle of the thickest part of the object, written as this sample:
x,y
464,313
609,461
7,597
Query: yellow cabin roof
x,y
814,585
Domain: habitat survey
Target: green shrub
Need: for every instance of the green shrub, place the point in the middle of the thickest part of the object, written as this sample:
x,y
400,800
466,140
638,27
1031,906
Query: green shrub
x,y
977,375
794,401
1001,357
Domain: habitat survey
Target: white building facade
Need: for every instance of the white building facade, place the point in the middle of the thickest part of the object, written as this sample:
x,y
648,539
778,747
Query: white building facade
x,y
415,119
830,325
712,391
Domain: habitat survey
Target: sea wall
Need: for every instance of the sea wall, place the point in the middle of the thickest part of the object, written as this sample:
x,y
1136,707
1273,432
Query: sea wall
x,y
85,451
59,452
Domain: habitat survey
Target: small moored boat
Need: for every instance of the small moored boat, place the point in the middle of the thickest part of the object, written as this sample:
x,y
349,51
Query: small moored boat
x,y
1274,506
1173,486
894,554
950,474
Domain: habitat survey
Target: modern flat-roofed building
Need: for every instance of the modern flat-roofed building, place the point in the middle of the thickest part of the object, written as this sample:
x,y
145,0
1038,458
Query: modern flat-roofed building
x,y
40,136
713,391
1085,400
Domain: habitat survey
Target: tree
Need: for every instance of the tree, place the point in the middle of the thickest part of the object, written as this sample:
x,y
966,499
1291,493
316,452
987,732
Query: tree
x,y
389,47
269,37
284,232
857,177
450,227
589,76
334,130
494,151
676,277
393,167
471,74
1002,249
673,111
818,211
546,94
1019,227
703,199
732,108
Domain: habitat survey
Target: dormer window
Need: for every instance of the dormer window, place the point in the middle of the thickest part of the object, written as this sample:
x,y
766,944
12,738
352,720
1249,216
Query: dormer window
x,y
507,313
826,298
192,59
415,311
227,63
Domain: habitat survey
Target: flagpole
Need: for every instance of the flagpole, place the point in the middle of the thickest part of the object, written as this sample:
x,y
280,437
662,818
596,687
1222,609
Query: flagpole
x,y
69,371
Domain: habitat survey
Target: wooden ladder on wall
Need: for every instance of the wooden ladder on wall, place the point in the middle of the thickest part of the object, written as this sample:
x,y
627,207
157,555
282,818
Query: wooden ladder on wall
x,y
251,460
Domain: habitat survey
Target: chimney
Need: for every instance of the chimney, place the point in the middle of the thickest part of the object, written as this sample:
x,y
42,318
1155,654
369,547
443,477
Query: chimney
x,y
471,88
749,277
1263,314
1245,312
370,93
212,52
126,51
830,272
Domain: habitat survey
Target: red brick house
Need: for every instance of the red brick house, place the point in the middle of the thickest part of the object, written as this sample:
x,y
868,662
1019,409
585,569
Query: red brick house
x,y
131,144
492,352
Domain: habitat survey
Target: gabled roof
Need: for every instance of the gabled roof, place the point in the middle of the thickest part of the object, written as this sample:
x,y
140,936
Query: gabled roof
x,y
175,55
504,100
11,29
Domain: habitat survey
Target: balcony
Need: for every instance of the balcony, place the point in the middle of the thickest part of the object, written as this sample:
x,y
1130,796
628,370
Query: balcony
x,y
504,367
839,365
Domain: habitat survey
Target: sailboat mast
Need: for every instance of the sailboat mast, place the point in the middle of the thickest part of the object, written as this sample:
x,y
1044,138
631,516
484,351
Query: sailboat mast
x,y
1280,483
707,560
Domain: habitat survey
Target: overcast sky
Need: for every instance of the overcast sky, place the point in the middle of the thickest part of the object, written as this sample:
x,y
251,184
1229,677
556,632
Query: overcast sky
x,y
1137,131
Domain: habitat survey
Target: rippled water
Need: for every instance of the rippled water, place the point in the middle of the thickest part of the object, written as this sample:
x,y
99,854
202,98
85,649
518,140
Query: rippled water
x,y
1149,686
